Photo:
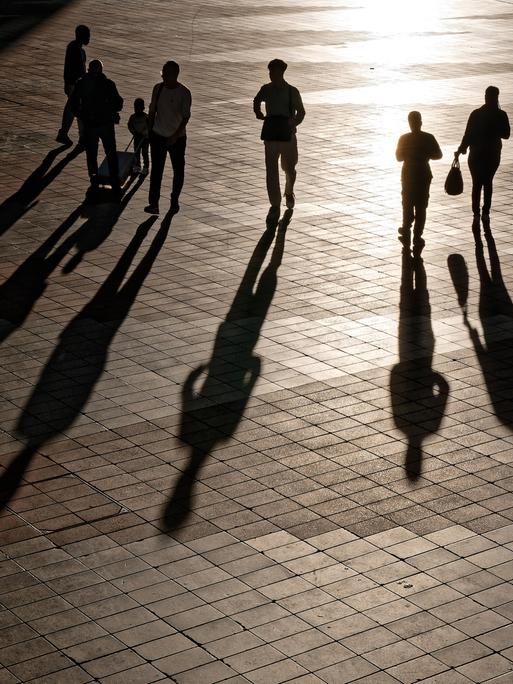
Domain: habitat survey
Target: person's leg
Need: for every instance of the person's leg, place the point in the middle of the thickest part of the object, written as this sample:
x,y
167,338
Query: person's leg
x,y
408,212
108,137
289,158
138,142
177,154
144,150
91,138
272,153
158,160
420,208
488,186
67,114
477,183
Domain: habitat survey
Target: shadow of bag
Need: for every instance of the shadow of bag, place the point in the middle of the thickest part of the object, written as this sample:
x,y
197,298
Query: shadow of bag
x,y
454,180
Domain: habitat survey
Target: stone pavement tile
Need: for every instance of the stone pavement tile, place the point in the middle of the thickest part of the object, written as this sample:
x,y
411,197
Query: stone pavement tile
x,y
254,658
487,668
141,674
347,671
462,652
422,667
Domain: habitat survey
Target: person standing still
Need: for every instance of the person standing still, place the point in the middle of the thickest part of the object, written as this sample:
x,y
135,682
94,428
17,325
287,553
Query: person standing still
x,y
170,111
486,127
74,68
284,112
96,101
415,149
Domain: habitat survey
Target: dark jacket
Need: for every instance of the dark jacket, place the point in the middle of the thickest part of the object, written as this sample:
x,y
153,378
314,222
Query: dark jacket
x,y
485,128
415,150
96,101
74,62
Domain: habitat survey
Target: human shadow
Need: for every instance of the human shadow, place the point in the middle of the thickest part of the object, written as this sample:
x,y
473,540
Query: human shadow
x,y
23,288
494,350
418,393
211,414
25,198
79,359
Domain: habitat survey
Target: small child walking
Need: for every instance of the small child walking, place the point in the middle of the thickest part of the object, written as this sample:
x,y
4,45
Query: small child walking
x,y
415,150
138,125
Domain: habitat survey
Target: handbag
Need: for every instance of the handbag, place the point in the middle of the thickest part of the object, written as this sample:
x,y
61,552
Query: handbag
x,y
277,127
454,180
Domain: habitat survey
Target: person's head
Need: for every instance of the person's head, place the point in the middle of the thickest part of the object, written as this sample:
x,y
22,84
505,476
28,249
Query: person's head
x,y
138,105
492,96
82,34
95,67
170,72
415,121
277,68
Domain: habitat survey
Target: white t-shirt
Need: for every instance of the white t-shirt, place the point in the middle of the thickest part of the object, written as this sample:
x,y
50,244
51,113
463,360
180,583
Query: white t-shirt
x,y
172,107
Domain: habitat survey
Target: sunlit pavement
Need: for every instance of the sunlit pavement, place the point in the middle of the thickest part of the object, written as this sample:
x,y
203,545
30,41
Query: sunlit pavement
x,y
238,456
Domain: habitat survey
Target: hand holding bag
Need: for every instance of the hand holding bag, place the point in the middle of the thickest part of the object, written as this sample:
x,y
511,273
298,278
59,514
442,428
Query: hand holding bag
x,y
454,180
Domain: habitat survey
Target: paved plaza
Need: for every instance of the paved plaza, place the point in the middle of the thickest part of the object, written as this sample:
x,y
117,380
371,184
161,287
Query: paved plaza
x,y
239,455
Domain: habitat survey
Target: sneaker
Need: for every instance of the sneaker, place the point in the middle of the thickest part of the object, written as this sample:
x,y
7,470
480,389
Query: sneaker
x,y
63,139
290,201
137,168
144,171
152,209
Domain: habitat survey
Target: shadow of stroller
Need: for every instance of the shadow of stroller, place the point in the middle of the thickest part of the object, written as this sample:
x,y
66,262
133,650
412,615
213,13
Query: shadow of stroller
x,y
78,361
418,393
13,208
495,352
211,415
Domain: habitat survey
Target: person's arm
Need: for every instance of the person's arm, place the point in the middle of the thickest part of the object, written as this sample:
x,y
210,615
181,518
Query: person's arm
x,y
70,70
186,115
435,152
153,105
117,100
399,153
299,110
257,104
465,141
130,125
505,132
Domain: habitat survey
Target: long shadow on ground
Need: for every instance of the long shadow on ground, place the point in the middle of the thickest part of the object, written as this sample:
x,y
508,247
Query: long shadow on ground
x,y
78,361
418,393
211,415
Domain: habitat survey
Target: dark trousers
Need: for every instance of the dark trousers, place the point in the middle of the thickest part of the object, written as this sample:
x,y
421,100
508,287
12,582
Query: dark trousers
x,y
482,170
143,149
105,133
415,202
159,149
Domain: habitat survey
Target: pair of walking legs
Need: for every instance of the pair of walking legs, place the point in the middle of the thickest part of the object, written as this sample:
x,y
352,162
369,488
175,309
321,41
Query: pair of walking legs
x,y
92,136
68,116
277,151
415,202
159,150
482,170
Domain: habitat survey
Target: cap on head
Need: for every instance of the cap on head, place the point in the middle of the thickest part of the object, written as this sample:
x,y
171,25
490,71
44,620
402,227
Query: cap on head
x,y
82,34
415,120
171,69
492,95
277,65
95,67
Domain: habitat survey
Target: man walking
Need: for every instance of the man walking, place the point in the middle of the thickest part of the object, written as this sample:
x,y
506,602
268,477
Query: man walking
x,y
74,68
284,112
169,113
415,149
96,101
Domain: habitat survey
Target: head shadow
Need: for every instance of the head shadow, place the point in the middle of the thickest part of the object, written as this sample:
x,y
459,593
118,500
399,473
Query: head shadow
x,y
79,359
215,394
418,393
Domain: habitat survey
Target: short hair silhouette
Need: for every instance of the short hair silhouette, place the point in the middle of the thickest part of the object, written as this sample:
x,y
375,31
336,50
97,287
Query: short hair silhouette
x,y
492,95
171,67
415,120
138,104
82,33
278,65
95,66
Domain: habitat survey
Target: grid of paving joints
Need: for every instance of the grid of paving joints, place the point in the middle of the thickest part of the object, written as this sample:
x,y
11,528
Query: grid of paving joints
x,y
213,421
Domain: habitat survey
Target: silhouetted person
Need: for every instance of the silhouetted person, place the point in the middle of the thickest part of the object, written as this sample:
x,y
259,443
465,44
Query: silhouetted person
x,y
96,101
486,127
74,68
415,150
234,368
418,393
170,111
139,127
284,112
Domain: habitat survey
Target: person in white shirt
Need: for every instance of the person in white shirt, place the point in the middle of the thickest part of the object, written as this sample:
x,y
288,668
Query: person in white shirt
x,y
284,112
170,110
